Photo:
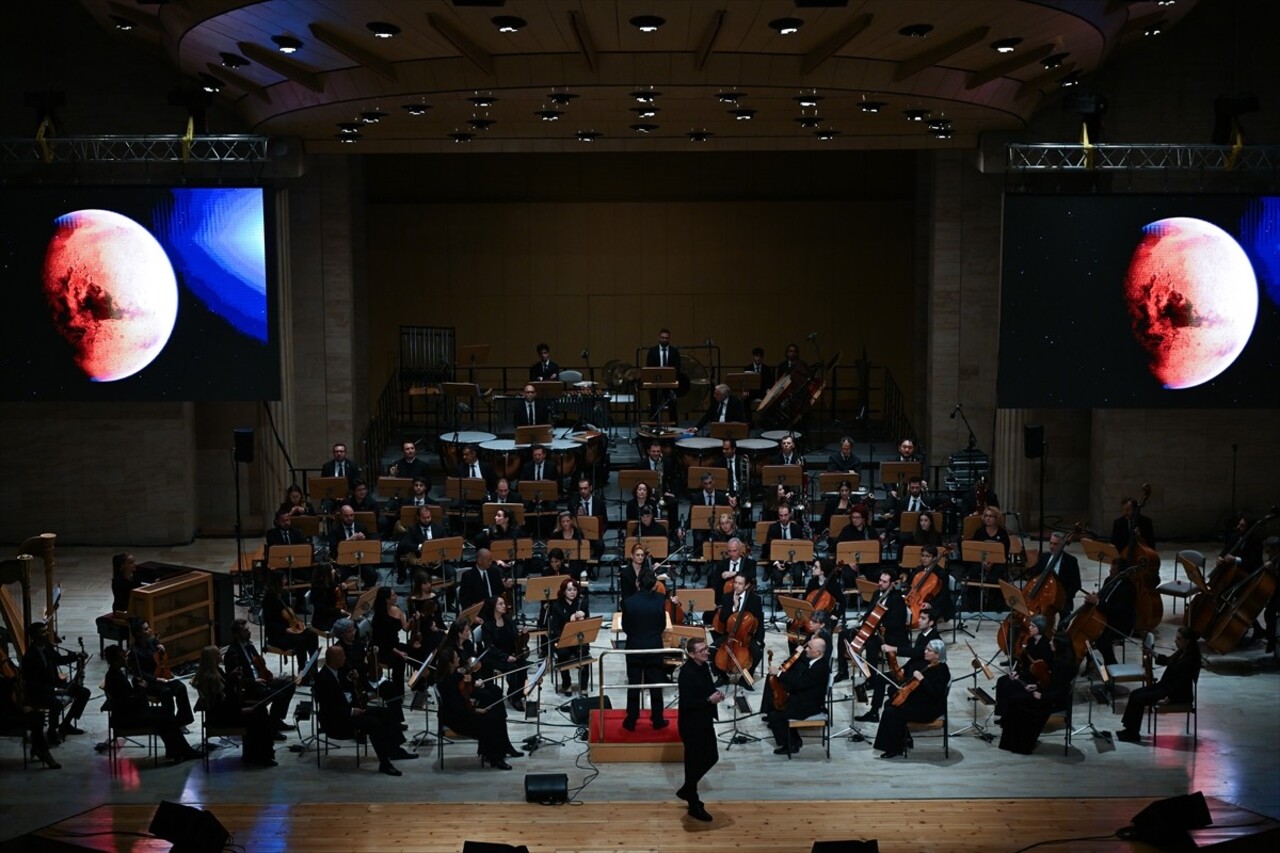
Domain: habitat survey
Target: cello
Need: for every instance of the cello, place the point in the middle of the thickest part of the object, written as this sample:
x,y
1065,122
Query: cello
x,y
821,599
921,593
739,630
780,695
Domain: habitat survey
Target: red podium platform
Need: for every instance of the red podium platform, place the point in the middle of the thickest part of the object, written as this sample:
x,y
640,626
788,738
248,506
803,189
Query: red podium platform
x,y
609,741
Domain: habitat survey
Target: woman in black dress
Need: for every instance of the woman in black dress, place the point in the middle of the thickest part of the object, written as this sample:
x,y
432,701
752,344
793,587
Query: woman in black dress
x,y
328,596
843,503
640,496
284,629
925,533
225,706
460,712
991,530
388,623
1026,720
567,609
1016,688
294,503
926,703
725,529
506,647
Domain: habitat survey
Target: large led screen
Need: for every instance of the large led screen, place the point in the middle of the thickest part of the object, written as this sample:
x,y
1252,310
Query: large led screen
x,y
137,293
1139,301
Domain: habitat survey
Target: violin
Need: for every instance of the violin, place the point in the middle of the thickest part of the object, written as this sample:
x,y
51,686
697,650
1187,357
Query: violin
x,y
295,624
160,657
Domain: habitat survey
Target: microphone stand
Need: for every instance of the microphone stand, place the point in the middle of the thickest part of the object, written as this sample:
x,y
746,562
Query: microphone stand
x,y
736,735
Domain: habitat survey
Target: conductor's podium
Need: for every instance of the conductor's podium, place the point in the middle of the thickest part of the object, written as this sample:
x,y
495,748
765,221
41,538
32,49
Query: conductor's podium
x,y
610,742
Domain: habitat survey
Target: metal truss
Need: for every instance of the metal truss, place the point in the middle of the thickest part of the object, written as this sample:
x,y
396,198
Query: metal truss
x,y
1053,156
236,148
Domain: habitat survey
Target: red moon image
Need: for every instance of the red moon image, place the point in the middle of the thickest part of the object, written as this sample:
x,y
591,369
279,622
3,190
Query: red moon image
x,y
1192,298
112,292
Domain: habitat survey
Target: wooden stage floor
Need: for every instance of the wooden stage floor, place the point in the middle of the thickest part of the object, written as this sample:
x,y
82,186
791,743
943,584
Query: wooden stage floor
x,y
746,827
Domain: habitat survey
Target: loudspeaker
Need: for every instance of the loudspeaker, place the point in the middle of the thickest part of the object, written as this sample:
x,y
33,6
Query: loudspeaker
x,y
1172,816
191,830
1033,440
491,847
871,846
546,788
580,709
244,444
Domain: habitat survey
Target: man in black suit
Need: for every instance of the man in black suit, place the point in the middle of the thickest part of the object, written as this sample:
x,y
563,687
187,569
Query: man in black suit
x,y
669,484
587,502
787,453
348,530
1131,519
472,468
894,625
544,369
239,662
737,466
283,533
662,355
538,468
644,618
844,460
724,408
928,631
735,563
709,496
791,362
341,718
1059,561
742,599
410,465
697,716
531,410
423,531
482,582
806,685
341,466
1176,685
765,372
46,688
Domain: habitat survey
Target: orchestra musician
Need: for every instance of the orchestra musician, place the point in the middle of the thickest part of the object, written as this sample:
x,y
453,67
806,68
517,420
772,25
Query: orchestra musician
x,y
341,715
281,534
503,528
45,687
426,611
644,618
504,494
925,533
568,607
283,629
328,596
724,408
1117,601
892,633
842,505
926,703
224,706
1131,520
1064,565
787,453
567,531
460,711
806,685
348,530
500,636
783,529
483,581
1176,684
791,362
639,498
907,452
629,575
17,714
1018,685
531,411
664,494
734,563
742,599
822,579
941,604
537,468
388,622
911,501
646,525
725,529
544,369
130,708
472,468
765,372
340,465
410,465
361,500
586,502
295,503
1026,718
244,664
844,460
145,652
696,720
738,468
123,583
662,354
992,529
858,530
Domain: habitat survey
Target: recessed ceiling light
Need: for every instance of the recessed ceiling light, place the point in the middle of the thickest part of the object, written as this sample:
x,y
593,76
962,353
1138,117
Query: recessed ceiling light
x,y
210,84
416,109
548,115
699,135
647,23
287,44
481,123
1053,61
349,138
742,114
786,26
383,30
809,122
872,106
916,31
1165,2
1154,30
349,127
459,136
122,23
233,60
483,101
645,96
588,135
644,128
916,115
826,135
939,125
943,134
808,101
730,97
1072,79
509,23
561,99
645,112
372,116
1006,45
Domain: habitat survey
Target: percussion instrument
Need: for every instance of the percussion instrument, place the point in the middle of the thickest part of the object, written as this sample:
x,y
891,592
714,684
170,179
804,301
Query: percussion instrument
x,y
693,451
451,443
503,455
779,434
565,456
665,438
758,450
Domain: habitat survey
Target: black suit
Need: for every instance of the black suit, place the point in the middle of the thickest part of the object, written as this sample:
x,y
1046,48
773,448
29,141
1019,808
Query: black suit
x,y
643,621
894,625
839,462
40,678
806,685
734,411
654,360
413,469
411,544
544,371
1122,527
338,721
338,532
129,708
755,607
696,718
1068,570
541,415
746,568
350,470
529,472
238,663
487,474
283,536
171,693
472,588
1176,684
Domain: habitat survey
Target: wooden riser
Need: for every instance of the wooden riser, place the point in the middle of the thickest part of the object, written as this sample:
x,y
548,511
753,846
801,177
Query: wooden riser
x,y
620,752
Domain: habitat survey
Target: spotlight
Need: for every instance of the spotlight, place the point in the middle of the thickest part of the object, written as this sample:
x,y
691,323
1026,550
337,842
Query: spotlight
x,y
808,101
939,125
588,135
561,99
699,135
548,115
210,84
1053,61
416,109
645,112
645,96
349,127
809,122
742,114
1154,29
730,97
916,115
383,30
122,23
483,101
509,23
1006,45
372,116
1072,79
644,128
233,60
348,137
786,26
647,23
459,136
916,31
287,44
826,135
872,106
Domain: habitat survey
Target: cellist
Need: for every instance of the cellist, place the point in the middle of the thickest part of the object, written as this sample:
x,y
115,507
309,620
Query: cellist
x,y
939,603
893,632
742,600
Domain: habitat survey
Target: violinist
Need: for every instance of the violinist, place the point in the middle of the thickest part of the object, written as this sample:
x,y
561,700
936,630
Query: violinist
x,y
345,635
146,655
569,607
566,532
734,563
460,712
224,706
940,603
842,505
130,708
1176,685
1026,718
1028,670
388,623
742,600
256,681
925,703
46,687
328,596
284,630
991,530
483,581
347,530
644,619
426,613
893,632
556,565
341,715
507,645
806,685
822,579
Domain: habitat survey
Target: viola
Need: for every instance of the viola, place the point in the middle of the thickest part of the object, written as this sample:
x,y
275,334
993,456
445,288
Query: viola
x,y
160,657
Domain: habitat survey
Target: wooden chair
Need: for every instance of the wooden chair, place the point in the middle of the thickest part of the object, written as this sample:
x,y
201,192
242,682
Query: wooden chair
x,y
446,735
1155,712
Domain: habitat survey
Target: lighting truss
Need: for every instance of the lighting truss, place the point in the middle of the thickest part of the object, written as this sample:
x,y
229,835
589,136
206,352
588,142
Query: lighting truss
x,y
232,148
1043,157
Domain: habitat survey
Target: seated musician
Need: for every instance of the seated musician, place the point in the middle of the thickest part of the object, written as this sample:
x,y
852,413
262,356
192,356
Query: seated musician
x,y
823,579
328,596
544,369
341,715
471,468
925,533
503,529
647,525
725,530
787,453
122,584
568,607
295,503
483,581
940,604
1176,685
347,530
734,563
555,566
1027,669
504,494
16,714
926,702
255,680
426,611
585,503
460,712
842,505
737,467
909,658
1064,565
742,599
791,362
145,654
388,623
284,629
340,465
1026,718
410,465
892,633
48,689
567,531
417,540
1117,601
806,684
506,651
283,533
361,500
858,530
669,484
725,407
765,372
907,452
531,411
130,708
991,530
912,501
640,497
845,461
538,468
783,529
225,706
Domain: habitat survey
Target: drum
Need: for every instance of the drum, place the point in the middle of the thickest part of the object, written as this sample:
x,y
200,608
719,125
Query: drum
x,y
503,456
758,450
594,453
667,439
565,456
779,434
694,451
450,447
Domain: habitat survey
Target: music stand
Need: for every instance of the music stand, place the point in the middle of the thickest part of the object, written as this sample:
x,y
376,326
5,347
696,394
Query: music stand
x,y
321,489
514,511
789,551
409,514
1100,552
911,558
359,553
465,492
703,517
458,391
744,382
533,707
696,599
719,477
857,553
735,430
290,557
976,695
580,633
1096,666
543,590
786,475
713,552
394,487
829,481
734,735
589,525
899,472
991,553
364,603
535,433
656,379
796,609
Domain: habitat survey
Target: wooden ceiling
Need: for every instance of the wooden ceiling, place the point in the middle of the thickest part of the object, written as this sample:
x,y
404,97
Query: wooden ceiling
x,y
447,52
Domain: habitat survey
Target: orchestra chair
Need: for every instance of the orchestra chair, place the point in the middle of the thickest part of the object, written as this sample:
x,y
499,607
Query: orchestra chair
x,y
20,731
113,626
819,722
324,742
1061,718
1125,673
284,654
128,733
1155,712
943,722
446,735
1183,589
222,733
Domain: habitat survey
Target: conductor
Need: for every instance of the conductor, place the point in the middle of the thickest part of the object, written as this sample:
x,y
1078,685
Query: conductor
x,y
643,620
698,700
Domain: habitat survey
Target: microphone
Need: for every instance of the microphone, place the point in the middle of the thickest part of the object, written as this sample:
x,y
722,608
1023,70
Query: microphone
x,y
585,354
954,411
812,336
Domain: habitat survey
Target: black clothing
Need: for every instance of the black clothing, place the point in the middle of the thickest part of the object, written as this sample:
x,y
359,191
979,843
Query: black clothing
x,y
1122,529
414,469
850,464
643,621
339,532
44,687
1117,600
477,584
653,359
1176,684
238,662
227,709
806,685
909,660
346,468
539,415
559,613
301,643
120,589
337,720
696,719
1026,719
415,537
746,567
1067,568
486,473
501,643
996,572
926,703
755,607
730,408
544,371
129,708
1010,690
462,714
941,605
172,693
325,606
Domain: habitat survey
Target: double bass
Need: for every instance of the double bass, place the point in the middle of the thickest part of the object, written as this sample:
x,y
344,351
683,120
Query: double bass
x,y
1045,596
1240,605
739,630
1144,563
1203,609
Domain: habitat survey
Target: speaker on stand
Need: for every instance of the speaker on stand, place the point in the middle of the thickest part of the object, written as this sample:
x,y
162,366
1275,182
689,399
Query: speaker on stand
x,y
241,451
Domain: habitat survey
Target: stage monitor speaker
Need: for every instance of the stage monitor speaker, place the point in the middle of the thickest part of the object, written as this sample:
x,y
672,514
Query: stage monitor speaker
x,y
1172,816
580,709
546,788
871,846
1033,440
244,444
491,847
190,829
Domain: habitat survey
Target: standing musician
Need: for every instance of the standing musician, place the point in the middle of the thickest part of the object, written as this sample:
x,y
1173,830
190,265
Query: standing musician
x,y
784,528
568,607
284,630
1031,667
644,618
892,633
1026,719
791,362
1176,685
224,705
341,715
940,604
991,530
46,687
696,719
145,655
1064,565
844,460
460,711
739,480
925,703
531,410
130,708
1131,520
544,369
483,581
629,575
724,408
742,600
256,681
508,647
806,685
